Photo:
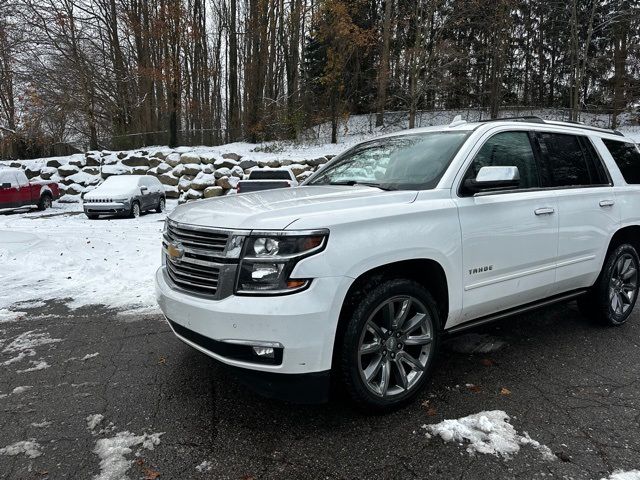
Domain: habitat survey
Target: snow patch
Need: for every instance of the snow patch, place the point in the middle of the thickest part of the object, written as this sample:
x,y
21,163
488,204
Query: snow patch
x,y
94,420
624,475
28,341
205,466
113,451
30,448
90,355
487,432
19,390
7,315
41,424
39,365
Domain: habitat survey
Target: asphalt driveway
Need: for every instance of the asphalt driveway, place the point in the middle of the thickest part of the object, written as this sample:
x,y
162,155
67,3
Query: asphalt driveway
x,y
570,385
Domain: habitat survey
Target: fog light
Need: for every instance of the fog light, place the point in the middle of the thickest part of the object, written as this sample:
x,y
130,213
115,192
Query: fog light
x,y
264,352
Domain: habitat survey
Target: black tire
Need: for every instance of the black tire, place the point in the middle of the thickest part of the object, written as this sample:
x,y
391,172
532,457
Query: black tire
x,y
611,299
135,211
91,216
161,205
351,359
45,202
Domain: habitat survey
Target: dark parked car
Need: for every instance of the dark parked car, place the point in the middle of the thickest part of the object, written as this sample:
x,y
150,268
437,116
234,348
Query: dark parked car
x,y
125,195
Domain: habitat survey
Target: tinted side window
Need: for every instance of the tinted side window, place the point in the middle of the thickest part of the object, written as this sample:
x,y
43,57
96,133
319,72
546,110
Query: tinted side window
x,y
599,173
567,162
508,149
627,158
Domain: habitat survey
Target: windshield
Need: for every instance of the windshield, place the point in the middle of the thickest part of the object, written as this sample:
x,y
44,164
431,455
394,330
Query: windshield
x,y
121,182
403,162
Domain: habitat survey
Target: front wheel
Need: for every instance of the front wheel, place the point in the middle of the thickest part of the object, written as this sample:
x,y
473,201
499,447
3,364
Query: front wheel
x,y
135,210
611,300
390,344
161,205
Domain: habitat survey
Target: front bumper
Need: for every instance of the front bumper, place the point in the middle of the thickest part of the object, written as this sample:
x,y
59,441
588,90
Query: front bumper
x,y
113,208
304,324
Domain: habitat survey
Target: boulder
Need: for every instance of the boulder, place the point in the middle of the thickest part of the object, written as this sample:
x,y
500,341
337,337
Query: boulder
x,y
271,163
225,162
185,183
47,172
192,169
152,171
237,172
317,161
53,163
69,199
232,156
203,180
159,154
208,169
91,170
136,161
68,169
297,169
208,158
32,171
245,164
329,157
210,192
163,168
171,192
92,161
303,176
222,172
81,178
75,189
110,159
122,155
228,182
78,161
110,170
178,171
173,159
190,158
15,165
193,194
285,162
167,179
139,170
154,162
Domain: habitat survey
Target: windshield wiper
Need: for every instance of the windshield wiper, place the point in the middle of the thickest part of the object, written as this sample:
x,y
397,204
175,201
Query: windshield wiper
x,y
367,184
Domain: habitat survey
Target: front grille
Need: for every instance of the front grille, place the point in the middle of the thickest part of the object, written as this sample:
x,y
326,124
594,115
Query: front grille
x,y
200,268
189,237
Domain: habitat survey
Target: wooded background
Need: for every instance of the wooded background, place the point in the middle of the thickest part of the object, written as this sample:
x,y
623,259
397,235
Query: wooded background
x,y
128,73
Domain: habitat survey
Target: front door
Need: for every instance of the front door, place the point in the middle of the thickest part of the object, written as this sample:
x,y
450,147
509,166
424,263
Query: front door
x,y
509,238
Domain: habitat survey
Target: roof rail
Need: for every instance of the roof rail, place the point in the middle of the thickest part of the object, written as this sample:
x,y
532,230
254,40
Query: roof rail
x,y
536,119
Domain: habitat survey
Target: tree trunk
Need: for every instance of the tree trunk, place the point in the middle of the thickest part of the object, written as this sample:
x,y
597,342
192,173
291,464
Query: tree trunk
x,y
383,73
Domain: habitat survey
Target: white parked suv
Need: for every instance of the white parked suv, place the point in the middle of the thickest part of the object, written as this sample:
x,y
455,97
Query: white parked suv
x,y
357,274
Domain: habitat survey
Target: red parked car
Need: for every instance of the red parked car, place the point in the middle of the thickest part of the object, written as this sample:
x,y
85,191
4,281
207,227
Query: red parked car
x,y
17,192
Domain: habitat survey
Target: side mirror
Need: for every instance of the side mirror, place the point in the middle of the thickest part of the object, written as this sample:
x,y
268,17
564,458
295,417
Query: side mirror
x,y
5,185
493,178
144,189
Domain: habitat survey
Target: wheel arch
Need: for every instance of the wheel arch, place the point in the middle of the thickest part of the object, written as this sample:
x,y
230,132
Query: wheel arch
x,y
629,234
428,272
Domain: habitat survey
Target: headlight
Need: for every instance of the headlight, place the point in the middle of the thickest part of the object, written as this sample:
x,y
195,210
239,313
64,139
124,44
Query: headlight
x,y
269,258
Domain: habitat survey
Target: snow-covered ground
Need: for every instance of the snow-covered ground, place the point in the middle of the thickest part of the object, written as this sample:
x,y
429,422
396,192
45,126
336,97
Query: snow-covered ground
x,y
61,254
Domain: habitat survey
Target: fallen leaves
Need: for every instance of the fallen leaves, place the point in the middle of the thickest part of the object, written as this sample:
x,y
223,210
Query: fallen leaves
x,y
505,391
487,362
430,409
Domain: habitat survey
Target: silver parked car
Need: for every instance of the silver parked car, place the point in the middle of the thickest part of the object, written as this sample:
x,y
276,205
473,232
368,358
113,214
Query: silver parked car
x,y
126,195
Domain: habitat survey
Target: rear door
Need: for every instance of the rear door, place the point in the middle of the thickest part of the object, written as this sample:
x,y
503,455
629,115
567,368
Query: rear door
x,y
587,210
509,237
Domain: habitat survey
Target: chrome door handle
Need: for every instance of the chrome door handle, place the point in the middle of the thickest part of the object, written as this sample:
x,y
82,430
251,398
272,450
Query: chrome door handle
x,y
544,211
607,203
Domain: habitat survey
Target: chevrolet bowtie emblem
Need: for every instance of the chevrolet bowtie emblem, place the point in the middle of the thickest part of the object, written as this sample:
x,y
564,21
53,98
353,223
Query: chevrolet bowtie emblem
x,y
175,251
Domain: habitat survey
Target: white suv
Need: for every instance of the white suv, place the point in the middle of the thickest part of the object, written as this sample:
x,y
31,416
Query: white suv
x,y
359,272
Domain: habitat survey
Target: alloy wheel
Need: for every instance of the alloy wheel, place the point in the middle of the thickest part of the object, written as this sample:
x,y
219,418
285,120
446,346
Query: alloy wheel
x,y
623,284
136,210
395,346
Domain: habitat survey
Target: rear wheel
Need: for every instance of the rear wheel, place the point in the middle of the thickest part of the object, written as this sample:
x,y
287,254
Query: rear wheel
x,y
389,345
611,300
161,205
45,202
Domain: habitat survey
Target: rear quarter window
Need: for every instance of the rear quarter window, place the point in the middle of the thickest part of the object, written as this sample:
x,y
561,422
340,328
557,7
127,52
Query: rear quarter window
x,y
627,157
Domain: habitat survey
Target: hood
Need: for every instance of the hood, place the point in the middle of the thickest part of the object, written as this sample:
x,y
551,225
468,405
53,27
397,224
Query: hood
x,y
106,191
276,209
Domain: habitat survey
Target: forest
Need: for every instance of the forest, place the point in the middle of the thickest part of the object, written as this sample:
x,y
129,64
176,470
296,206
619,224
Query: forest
x,y
106,74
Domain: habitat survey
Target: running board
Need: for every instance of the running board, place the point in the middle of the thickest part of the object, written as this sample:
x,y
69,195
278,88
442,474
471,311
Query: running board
x,y
564,297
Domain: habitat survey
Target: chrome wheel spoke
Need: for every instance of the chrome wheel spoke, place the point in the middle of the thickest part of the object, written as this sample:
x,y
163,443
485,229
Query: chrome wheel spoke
x,y
369,348
412,362
402,374
424,339
373,369
413,323
385,378
629,273
402,314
